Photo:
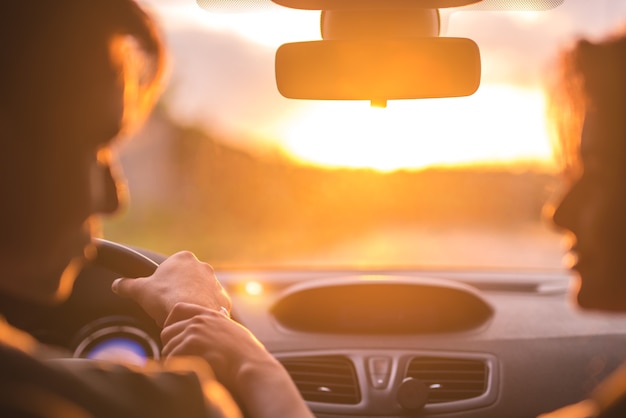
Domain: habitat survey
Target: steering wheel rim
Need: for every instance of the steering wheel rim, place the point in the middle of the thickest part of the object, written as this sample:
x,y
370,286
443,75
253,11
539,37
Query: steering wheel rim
x,y
132,324
122,259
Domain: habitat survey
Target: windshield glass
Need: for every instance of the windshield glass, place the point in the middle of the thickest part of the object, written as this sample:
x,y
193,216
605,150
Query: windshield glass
x,y
229,169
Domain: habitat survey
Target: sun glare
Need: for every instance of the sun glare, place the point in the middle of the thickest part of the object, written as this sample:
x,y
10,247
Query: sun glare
x,y
498,125
271,27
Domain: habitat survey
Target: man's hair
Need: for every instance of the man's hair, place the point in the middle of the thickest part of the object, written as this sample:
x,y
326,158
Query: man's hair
x,y
590,77
65,67
45,46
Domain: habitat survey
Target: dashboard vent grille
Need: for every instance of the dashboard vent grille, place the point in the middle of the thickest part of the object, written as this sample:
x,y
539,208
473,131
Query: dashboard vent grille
x,y
450,379
329,379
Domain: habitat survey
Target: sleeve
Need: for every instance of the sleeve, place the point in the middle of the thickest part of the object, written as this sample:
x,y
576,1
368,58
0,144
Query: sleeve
x,y
584,409
184,388
608,400
610,394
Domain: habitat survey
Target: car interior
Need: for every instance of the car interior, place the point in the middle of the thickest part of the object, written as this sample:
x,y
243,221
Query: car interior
x,y
371,181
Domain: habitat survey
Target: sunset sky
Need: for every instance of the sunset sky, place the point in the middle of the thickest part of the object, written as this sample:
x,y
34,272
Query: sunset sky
x,y
222,79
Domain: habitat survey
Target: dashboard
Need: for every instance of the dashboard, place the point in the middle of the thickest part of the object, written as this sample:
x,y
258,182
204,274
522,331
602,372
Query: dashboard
x,y
363,343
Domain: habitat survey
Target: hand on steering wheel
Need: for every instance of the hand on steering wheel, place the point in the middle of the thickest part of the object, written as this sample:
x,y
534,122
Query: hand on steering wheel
x,y
181,278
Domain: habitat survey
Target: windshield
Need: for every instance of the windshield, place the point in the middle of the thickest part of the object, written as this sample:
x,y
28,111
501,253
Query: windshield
x,y
229,169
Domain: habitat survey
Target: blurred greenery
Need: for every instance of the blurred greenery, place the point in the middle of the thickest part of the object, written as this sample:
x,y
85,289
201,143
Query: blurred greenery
x,y
232,207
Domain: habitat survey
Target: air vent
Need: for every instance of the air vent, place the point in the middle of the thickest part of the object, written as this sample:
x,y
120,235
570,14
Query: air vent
x,y
329,379
450,379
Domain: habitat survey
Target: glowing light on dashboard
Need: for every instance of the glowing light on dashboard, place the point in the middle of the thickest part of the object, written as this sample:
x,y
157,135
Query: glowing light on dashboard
x,y
254,288
119,349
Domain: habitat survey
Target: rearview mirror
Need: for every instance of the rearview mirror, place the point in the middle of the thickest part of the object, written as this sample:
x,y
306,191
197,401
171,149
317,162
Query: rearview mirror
x,y
378,70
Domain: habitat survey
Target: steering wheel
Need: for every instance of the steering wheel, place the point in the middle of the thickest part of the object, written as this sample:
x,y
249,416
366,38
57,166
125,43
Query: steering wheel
x,y
94,321
122,260
120,326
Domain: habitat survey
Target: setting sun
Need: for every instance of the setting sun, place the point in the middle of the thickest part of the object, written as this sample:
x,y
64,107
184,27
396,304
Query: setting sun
x,y
502,123
499,124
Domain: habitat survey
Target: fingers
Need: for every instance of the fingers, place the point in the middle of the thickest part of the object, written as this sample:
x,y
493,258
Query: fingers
x,y
224,344
181,319
182,311
171,339
180,278
139,290
124,287
133,288
196,335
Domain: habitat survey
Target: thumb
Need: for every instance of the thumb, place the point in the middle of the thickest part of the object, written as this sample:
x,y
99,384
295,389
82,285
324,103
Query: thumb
x,y
133,289
123,287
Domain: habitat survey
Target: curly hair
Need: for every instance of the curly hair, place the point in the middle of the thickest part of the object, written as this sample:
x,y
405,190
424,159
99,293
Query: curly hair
x,y
590,77
48,48
74,75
